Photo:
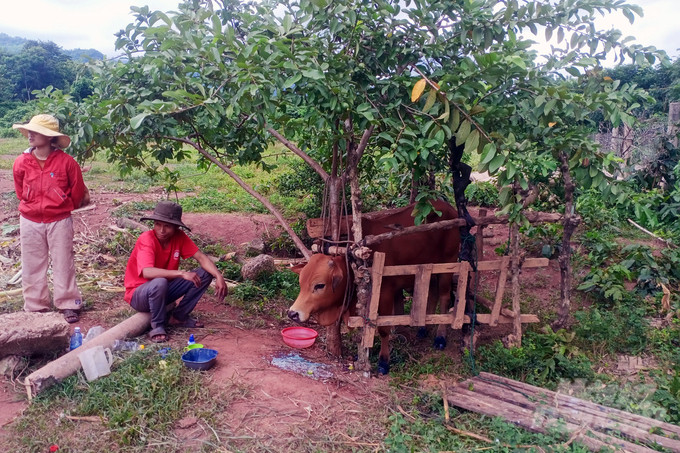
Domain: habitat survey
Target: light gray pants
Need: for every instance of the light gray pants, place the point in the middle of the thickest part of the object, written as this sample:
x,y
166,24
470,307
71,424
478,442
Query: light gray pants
x,y
154,295
37,239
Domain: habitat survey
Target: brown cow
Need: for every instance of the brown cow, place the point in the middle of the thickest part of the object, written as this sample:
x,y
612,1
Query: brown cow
x,y
323,280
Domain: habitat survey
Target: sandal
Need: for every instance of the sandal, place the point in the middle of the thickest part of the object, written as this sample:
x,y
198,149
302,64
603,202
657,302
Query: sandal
x,y
71,316
158,335
189,323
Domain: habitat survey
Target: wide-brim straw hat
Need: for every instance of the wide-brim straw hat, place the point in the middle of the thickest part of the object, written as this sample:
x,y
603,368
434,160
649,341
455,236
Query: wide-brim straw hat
x,y
168,212
46,125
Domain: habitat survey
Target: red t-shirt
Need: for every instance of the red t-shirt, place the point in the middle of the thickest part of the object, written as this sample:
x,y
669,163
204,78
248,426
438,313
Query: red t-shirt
x,y
149,253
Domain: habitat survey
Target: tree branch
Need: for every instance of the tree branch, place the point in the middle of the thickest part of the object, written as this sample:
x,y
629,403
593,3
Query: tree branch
x,y
305,251
447,224
311,162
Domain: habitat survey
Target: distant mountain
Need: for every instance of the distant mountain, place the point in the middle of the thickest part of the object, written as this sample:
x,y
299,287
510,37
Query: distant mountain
x,y
83,55
13,45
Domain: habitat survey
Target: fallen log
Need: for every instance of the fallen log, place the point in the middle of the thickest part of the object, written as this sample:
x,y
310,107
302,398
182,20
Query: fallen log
x,y
566,400
28,333
131,224
576,415
66,365
537,423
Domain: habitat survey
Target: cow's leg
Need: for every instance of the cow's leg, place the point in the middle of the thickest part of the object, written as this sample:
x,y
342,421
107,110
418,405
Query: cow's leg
x,y
384,356
432,296
388,295
444,286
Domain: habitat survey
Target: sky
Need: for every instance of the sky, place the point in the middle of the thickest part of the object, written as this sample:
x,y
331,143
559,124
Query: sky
x,y
89,24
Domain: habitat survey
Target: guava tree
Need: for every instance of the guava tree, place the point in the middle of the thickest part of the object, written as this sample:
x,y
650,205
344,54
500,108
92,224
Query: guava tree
x,y
343,82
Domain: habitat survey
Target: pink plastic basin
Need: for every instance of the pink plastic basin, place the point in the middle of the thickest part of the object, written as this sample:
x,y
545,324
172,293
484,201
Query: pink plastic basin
x,y
299,337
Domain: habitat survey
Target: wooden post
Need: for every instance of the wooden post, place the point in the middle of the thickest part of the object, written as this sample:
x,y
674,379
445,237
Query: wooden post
x,y
376,278
420,295
515,340
673,120
500,290
459,306
479,237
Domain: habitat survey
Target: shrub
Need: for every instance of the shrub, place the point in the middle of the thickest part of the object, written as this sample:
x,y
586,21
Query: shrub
x,y
543,359
621,329
482,194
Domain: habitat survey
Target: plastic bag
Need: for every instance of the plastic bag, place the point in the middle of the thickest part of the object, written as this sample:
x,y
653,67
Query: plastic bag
x,y
93,332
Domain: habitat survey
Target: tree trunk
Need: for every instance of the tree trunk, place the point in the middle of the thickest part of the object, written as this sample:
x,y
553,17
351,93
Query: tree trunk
x,y
282,221
673,119
515,339
362,275
570,221
333,340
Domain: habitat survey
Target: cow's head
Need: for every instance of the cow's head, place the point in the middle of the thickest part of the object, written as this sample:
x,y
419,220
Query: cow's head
x,y
322,289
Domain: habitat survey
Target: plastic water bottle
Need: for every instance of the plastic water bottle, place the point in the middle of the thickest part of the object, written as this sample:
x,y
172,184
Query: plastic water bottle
x,y
76,339
191,340
120,345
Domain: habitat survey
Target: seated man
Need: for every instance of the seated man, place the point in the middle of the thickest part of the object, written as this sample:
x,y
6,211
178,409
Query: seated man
x,y
152,278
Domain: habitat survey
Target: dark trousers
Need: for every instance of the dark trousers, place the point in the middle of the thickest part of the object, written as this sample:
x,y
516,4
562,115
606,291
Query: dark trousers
x,y
154,295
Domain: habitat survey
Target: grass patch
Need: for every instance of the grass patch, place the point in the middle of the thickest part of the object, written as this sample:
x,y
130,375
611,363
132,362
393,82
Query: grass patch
x,y
138,403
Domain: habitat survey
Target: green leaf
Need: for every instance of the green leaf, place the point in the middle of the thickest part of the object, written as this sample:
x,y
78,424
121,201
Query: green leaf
x,y
488,153
518,61
314,74
463,133
477,109
217,25
287,23
549,106
477,35
137,120
560,35
496,163
447,110
455,120
472,141
430,100
573,71
292,80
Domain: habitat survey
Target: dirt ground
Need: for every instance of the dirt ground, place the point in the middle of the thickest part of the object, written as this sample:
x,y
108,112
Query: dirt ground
x,y
276,405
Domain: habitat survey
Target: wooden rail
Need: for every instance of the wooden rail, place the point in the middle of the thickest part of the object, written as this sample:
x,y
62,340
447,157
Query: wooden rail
x,y
423,273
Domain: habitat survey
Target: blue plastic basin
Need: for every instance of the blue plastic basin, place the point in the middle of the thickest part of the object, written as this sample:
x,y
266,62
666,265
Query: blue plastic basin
x,y
200,358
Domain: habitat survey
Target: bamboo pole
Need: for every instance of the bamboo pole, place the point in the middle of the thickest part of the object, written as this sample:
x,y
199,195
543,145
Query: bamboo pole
x,y
66,365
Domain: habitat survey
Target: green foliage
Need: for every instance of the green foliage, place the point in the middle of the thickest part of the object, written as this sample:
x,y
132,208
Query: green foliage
x,y
12,113
281,284
139,400
622,329
227,80
427,433
230,270
482,194
282,244
542,239
596,214
543,359
37,66
668,395
303,182
211,200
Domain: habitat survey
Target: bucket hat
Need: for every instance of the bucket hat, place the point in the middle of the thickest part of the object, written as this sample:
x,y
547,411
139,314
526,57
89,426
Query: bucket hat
x,y
46,125
168,212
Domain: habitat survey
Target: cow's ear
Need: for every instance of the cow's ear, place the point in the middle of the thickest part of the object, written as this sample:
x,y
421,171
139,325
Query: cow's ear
x,y
298,268
336,281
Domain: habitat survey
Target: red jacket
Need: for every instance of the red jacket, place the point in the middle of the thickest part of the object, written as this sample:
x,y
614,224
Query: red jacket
x,y
49,194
